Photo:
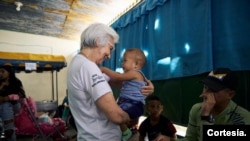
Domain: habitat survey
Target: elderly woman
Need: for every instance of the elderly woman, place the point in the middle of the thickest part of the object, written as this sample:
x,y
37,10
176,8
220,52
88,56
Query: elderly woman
x,y
11,90
91,101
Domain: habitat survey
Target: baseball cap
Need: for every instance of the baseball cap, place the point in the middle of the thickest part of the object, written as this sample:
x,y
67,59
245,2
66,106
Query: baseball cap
x,y
221,78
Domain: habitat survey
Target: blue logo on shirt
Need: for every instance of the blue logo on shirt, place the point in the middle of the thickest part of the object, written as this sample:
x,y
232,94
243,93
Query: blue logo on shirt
x,y
97,79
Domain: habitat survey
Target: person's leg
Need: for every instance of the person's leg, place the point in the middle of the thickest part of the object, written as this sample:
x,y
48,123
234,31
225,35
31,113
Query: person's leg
x,y
128,129
65,114
9,131
17,107
133,123
8,121
72,121
126,132
134,110
123,127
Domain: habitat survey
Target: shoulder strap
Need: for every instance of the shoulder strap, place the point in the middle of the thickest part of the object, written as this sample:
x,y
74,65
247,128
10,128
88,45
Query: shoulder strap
x,y
142,74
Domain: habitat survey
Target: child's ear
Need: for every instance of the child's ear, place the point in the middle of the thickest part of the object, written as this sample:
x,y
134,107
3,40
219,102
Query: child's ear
x,y
147,111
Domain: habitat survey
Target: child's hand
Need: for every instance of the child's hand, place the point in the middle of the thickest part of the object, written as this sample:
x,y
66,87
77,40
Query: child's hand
x,y
102,68
13,97
106,77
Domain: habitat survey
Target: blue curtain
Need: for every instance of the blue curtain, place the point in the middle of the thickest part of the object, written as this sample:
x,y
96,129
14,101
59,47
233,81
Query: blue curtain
x,y
186,37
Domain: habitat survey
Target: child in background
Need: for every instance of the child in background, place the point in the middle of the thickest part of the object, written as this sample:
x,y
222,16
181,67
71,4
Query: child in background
x,y
156,126
131,100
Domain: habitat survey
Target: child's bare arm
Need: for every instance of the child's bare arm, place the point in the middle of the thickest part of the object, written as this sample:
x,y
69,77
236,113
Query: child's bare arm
x,y
116,76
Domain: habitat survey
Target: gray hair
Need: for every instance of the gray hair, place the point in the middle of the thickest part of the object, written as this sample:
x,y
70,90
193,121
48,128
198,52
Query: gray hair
x,y
98,33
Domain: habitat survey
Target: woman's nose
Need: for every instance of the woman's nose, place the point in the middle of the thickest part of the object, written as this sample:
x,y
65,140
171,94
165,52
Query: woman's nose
x,y
108,56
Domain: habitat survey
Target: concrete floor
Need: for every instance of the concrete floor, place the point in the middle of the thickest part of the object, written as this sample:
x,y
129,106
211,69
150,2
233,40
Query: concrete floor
x,y
70,134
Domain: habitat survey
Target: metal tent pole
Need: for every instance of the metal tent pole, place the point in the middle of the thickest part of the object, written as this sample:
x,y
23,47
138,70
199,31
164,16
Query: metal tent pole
x,y
57,87
52,85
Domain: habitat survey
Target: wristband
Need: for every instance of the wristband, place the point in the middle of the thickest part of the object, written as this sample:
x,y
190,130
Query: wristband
x,y
209,118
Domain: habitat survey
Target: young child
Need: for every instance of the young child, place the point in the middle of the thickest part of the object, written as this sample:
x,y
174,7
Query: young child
x,y
131,99
156,126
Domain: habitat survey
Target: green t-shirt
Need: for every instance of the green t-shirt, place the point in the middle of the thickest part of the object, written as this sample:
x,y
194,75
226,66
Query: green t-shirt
x,y
232,115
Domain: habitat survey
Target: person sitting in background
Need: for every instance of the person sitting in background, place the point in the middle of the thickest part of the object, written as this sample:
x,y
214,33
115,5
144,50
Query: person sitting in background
x,y
66,111
66,114
131,100
217,107
156,127
11,93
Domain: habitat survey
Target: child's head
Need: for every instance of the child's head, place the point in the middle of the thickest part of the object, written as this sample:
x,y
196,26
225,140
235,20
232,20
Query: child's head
x,y
154,106
133,58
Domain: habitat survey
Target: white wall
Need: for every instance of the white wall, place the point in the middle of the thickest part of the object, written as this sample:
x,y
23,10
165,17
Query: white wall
x,y
39,85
